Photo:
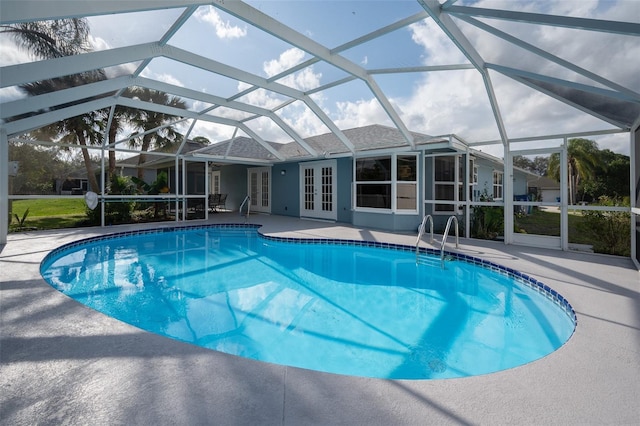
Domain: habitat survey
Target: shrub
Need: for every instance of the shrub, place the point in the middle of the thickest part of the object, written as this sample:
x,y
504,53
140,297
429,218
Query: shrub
x,y
609,231
115,212
487,222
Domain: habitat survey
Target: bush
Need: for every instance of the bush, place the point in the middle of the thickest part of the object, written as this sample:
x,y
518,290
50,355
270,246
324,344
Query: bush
x,y
487,222
115,212
609,231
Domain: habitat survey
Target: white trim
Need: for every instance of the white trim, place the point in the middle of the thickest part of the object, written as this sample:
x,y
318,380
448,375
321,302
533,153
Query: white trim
x,y
494,185
318,213
393,182
542,241
212,177
258,208
458,183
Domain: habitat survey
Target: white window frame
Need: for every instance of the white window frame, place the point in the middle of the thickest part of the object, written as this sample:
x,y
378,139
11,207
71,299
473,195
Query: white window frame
x,y
215,182
457,183
394,182
498,185
473,181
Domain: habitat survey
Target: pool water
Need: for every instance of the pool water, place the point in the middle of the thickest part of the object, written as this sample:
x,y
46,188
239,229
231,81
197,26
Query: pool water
x,y
343,308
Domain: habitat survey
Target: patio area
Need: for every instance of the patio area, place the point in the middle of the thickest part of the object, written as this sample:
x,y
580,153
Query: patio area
x,y
62,362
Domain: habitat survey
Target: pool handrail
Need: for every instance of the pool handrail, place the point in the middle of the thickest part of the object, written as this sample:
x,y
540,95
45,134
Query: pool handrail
x,y
421,232
444,238
245,201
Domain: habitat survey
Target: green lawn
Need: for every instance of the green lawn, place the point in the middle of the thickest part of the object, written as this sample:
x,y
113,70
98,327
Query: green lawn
x,y
50,207
548,223
49,213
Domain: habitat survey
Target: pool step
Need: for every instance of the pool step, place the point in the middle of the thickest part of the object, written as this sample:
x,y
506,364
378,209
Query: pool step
x,y
428,260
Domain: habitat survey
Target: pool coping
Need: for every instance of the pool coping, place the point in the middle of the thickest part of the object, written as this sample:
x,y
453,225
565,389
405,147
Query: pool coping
x,y
61,360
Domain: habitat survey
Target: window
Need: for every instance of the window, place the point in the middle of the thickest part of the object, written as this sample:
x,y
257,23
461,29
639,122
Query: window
x,y
497,185
373,182
448,176
387,182
473,179
406,186
215,182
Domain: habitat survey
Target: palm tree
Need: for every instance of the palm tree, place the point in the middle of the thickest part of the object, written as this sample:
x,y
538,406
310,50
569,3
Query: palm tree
x,y
86,129
122,115
53,39
145,120
583,162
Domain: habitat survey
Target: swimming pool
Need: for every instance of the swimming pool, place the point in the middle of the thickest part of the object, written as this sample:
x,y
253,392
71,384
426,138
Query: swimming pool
x,y
346,307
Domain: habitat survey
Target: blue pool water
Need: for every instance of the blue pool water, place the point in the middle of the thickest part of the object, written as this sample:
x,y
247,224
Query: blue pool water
x,y
347,308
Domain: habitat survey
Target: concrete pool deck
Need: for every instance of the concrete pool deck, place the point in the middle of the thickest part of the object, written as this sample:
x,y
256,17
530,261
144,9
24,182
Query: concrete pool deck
x,y
61,362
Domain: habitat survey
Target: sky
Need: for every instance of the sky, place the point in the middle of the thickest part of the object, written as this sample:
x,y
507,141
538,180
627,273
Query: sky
x,y
435,103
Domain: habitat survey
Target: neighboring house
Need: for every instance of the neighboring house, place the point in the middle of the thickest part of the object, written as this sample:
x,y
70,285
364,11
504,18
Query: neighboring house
x,y
76,183
548,189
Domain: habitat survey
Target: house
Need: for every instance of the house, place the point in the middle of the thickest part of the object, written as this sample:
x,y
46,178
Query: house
x,y
373,178
548,189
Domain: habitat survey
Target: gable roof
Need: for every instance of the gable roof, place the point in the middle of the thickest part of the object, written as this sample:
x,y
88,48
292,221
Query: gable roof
x,y
366,138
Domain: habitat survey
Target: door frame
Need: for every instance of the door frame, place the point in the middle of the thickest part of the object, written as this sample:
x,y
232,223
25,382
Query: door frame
x,y
256,207
333,214
533,240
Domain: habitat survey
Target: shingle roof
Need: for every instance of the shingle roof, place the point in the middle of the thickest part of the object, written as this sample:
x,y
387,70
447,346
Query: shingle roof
x,y
364,138
152,158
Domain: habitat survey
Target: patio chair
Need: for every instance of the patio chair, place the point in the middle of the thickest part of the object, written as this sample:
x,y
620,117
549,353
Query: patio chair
x,y
214,200
222,202
217,201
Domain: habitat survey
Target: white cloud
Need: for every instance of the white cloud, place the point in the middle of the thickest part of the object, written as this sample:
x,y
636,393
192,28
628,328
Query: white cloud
x,y
457,102
287,59
304,121
305,79
98,43
259,97
8,94
360,113
438,49
212,131
169,79
224,30
11,54
619,142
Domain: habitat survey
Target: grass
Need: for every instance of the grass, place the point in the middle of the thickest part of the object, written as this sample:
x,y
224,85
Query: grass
x,y
50,207
548,223
50,213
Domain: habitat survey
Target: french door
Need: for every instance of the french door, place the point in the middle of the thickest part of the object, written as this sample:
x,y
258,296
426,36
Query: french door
x,y
318,187
260,189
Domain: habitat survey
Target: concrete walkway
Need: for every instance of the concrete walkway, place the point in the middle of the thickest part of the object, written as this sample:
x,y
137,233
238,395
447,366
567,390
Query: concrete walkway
x,y
63,363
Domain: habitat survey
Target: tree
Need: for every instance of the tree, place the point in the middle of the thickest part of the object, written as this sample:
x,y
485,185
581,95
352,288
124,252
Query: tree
x,y
522,162
538,165
583,162
39,168
53,39
201,140
611,177
86,129
144,120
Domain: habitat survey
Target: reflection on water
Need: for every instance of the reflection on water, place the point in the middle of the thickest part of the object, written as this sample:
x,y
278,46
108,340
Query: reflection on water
x,y
344,309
